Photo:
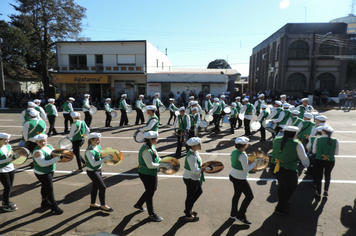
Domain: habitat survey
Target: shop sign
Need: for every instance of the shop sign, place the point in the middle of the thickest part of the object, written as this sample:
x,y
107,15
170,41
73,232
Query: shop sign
x,y
80,79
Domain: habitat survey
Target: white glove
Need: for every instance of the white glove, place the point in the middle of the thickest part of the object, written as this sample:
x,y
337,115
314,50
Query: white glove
x,y
109,157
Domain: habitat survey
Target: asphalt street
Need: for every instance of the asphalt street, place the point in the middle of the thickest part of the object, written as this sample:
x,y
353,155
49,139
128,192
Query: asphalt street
x,y
335,215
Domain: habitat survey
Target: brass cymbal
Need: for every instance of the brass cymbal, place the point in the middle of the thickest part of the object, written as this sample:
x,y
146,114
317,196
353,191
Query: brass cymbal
x,y
66,154
116,154
174,163
216,166
263,159
21,155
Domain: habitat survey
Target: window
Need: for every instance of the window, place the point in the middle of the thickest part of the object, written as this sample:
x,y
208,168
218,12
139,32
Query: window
x,y
78,61
98,59
298,50
157,63
126,59
328,48
325,81
206,88
277,53
296,82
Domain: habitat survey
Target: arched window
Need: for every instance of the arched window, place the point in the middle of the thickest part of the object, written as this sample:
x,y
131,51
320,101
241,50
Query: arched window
x,y
277,53
325,81
296,82
328,48
298,50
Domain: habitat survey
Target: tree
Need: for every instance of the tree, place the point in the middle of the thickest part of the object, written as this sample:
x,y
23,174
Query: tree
x,y
219,64
47,21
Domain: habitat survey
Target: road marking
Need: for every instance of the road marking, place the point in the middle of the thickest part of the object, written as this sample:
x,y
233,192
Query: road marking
x,y
206,177
5,120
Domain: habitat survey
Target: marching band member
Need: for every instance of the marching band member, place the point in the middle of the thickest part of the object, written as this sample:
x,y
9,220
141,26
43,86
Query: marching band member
x,y
183,125
207,104
78,130
305,107
24,114
259,102
222,105
172,108
283,98
325,148
194,121
149,164
216,111
283,117
286,153
31,128
276,110
238,177
263,115
294,120
52,113
153,121
44,170
249,110
40,109
188,111
67,109
123,106
7,172
107,112
311,170
238,107
305,131
139,113
86,110
319,121
233,117
94,164
157,102
193,178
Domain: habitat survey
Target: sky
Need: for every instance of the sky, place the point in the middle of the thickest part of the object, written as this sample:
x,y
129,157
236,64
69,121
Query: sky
x,y
196,32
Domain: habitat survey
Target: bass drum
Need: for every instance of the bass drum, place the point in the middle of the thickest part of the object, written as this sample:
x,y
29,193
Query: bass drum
x,y
227,110
113,114
138,137
255,125
93,110
209,118
203,124
65,143
128,110
162,109
271,127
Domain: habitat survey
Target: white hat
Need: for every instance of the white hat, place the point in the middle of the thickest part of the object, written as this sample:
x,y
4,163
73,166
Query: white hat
x,y
328,128
263,106
237,98
156,94
31,104
291,107
108,99
208,95
245,100
37,101
181,109
319,129
242,140
321,118
86,95
233,104
193,141
75,114
150,134
286,105
94,135
39,137
261,95
278,103
171,99
291,128
71,99
51,100
5,136
308,115
216,99
305,99
194,108
124,95
33,113
283,96
151,108
191,97
141,96
295,112
194,103
222,96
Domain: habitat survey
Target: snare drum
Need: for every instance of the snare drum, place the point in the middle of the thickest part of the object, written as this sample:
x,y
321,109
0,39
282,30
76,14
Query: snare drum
x,y
203,124
241,116
65,143
113,114
209,118
128,110
93,110
255,125
271,127
227,110
144,109
138,137
162,109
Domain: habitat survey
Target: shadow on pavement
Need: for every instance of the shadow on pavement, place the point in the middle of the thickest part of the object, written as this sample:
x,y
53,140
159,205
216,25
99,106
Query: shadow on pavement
x,y
234,229
119,229
179,224
348,219
134,227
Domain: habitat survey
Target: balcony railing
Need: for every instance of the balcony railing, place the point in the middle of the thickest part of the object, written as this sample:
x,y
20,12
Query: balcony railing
x,y
100,69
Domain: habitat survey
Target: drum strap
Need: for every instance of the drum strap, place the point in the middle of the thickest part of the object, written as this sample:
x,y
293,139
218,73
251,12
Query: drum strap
x,y
76,132
181,120
305,128
34,127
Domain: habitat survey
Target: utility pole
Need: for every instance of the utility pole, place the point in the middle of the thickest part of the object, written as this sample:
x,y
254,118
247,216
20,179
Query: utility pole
x,y
2,80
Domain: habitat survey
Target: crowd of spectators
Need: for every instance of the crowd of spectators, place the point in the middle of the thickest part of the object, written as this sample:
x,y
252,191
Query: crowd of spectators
x,y
347,99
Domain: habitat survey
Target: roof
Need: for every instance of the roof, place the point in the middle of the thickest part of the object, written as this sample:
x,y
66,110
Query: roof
x,y
201,71
105,41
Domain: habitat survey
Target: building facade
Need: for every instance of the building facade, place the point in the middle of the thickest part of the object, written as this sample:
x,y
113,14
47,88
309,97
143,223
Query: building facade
x,y
106,68
299,57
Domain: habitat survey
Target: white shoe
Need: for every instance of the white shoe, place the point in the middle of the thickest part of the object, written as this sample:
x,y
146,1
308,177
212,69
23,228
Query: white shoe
x,y
237,220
